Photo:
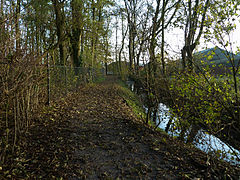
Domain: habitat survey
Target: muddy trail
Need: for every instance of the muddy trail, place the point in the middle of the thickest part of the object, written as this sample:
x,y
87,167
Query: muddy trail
x,y
94,134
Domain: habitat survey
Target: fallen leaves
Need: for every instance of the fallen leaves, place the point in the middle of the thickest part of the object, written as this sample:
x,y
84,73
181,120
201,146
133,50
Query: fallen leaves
x,y
93,134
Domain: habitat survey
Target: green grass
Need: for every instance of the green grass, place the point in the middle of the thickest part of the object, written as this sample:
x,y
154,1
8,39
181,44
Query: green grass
x,y
135,103
132,100
99,79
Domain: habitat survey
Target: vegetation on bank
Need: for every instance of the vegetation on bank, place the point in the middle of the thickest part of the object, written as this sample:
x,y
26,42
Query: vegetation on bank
x,y
95,133
50,48
199,101
132,100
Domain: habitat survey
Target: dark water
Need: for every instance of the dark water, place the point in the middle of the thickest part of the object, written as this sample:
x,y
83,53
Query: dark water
x,y
205,142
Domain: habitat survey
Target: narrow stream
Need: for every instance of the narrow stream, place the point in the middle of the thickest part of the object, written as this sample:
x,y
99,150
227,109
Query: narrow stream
x,y
205,142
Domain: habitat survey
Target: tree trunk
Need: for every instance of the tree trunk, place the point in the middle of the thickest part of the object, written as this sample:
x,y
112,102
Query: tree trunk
x,y
155,113
2,24
162,45
130,18
116,47
18,36
148,117
76,36
168,125
106,69
193,133
122,47
190,32
153,65
130,48
60,30
93,39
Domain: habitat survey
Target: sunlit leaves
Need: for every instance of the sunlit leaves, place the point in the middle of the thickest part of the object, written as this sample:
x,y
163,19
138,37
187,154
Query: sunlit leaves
x,y
199,99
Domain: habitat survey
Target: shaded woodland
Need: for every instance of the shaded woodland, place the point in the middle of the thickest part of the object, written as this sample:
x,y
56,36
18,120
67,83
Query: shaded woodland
x,y
50,48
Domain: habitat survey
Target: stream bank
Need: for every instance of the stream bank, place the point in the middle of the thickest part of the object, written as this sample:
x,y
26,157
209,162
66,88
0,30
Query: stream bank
x,y
203,140
93,133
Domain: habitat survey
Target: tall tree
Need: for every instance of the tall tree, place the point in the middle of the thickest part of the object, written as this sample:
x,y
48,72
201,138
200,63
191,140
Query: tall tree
x,y
18,35
167,11
153,40
2,23
124,34
195,21
131,18
60,25
77,32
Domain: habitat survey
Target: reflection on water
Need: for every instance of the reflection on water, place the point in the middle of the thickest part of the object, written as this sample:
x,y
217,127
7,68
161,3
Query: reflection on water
x,y
130,85
204,141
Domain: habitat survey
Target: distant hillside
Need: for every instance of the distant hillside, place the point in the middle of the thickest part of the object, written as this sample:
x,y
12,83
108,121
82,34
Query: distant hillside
x,y
216,56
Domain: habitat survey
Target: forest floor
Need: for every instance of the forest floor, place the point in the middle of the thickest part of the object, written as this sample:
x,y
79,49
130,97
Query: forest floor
x,y
94,134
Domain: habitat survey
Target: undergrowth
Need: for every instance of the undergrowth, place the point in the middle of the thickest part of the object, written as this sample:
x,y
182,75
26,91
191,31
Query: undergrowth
x,y
132,100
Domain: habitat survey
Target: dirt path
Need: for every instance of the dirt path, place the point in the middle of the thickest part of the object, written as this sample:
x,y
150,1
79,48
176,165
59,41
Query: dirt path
x,y
110,144
94,134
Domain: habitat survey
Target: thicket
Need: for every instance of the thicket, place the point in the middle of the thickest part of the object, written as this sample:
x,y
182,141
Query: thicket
x,y
47,48
204,101
197,99
22,92
41,40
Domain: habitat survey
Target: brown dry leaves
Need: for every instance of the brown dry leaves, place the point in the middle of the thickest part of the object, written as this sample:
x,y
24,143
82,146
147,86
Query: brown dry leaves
x,y
93,134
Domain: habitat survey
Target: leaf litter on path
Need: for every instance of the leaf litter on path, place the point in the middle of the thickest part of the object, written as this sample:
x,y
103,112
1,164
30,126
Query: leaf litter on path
x,y
95,135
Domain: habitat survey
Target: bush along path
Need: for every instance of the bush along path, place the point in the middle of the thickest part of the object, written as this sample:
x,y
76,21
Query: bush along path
x,y
94,134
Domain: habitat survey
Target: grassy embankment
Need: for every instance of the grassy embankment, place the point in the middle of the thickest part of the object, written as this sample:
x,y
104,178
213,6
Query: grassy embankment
x,y
135,103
